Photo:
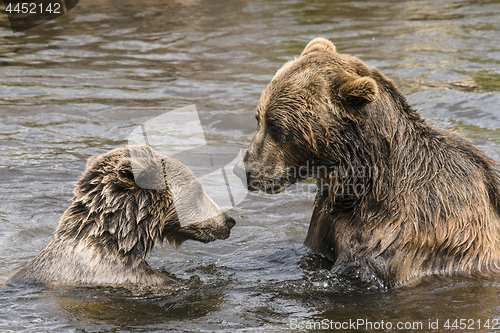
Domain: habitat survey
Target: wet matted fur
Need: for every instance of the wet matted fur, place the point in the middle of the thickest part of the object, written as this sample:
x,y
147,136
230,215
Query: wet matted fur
x,y
397,199
104,237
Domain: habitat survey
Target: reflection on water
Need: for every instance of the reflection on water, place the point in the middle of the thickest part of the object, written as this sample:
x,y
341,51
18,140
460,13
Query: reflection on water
x,y
79,85
110,306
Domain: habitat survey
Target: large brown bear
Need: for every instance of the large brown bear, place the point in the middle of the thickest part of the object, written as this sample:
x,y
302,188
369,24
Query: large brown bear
x,y
397,199
123,205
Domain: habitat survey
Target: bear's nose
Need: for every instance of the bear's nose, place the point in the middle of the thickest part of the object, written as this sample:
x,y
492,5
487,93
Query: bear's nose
x,y
240,171
230,222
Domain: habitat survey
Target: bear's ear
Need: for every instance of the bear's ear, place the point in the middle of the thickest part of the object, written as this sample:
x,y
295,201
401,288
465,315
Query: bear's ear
x,y
358,92
91,160
124,171
319,43
145,172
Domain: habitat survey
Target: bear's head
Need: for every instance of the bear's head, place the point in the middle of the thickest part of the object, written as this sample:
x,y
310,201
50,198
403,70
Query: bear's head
x,y
310,116
132,197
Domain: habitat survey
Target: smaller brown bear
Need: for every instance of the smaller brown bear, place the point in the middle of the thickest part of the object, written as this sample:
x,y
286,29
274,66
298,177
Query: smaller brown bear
x,y
123,204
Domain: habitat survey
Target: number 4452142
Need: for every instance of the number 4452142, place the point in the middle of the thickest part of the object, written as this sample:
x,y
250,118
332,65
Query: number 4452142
x,y
471,324
33,8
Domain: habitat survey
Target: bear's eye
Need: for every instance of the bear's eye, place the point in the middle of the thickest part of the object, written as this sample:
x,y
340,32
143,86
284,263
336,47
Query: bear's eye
x,y
257,118
198,194
274,130
271,126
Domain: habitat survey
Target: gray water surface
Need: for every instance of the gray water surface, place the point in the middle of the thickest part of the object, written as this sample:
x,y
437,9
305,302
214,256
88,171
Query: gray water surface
x,y
79,85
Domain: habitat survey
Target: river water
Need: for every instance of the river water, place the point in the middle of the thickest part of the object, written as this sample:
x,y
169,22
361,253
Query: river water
x,y
79,85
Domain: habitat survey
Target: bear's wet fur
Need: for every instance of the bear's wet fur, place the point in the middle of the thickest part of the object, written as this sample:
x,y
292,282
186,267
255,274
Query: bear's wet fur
x,y
397,198
123,204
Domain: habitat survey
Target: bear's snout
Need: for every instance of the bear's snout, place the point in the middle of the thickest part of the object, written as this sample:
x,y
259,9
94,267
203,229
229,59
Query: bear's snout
x,y
244,172
225,223
230,222
240,170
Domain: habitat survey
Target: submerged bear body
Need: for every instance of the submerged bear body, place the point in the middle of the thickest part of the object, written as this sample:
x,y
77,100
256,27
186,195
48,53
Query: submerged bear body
x,y
123,204
397,199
